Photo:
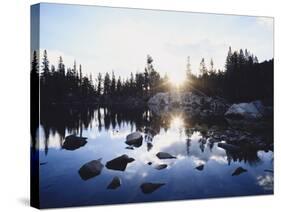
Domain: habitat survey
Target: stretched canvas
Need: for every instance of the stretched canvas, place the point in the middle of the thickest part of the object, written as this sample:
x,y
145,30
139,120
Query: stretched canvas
x,y
138,105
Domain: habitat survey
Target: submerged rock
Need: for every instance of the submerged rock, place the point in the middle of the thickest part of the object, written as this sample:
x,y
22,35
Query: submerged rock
x,y
129,147
91,169
115,183
148,188
239,171
165,155
134,139
161,166
43,163
200,167
73,142
149,163
229,147
119,163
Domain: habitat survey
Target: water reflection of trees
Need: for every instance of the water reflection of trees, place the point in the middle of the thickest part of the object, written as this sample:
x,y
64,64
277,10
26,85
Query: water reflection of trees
x,y
59,119
250,157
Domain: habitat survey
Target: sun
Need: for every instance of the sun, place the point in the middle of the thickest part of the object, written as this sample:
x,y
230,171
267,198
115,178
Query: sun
x,y
176,79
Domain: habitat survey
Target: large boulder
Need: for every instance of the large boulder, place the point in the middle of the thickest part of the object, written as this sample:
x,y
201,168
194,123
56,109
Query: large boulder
x,y
148,188
134,139
239,171
91,169
115,183
159,99
253,110
165,155
119,163
73,142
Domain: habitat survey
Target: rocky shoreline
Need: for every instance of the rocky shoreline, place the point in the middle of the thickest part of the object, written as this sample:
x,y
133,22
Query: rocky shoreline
x,y
200,105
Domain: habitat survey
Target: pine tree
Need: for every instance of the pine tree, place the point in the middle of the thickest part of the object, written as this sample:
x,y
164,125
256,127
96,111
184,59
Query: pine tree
x,y
113,83
99,79
61,67
45,66
34,65
203,69
228,63
106,84
188,67
211,70
119,86
80,74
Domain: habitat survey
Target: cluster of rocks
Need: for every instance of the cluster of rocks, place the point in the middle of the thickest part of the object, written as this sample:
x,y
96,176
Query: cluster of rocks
x,y
95,167
239,140
193,103
204,106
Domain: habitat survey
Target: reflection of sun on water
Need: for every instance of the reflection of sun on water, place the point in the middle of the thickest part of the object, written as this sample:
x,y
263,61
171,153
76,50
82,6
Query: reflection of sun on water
x,y
176,122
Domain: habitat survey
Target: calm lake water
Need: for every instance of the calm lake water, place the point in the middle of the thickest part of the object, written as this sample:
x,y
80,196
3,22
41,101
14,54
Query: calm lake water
x,y
172,132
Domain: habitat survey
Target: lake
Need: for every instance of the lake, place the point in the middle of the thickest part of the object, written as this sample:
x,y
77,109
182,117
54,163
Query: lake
x,y
201,168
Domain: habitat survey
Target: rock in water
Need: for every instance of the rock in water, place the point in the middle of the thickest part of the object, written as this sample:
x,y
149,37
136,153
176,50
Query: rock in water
x,y
115,183
134,139
148,188
73,142
253,110
119,163
200,167
130,147
165,155
149,163
91,169
229,147
239,171
161,166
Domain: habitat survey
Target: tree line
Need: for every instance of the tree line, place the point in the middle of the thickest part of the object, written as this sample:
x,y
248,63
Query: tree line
x,y
244,79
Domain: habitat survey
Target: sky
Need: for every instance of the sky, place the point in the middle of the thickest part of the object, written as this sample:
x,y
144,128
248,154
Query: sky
x,y
103,39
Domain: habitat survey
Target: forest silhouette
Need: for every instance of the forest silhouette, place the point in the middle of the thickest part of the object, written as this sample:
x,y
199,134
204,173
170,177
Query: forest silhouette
x,y
244,79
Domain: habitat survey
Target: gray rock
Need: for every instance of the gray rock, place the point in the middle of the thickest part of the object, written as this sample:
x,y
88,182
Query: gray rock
x,y
161,166
73,142
134,139
165,155
91,169
148,188
253,110
119,163
200,167
239,171
115,183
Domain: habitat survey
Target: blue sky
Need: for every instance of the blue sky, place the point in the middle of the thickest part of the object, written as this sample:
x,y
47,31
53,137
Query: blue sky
x,y
103,39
